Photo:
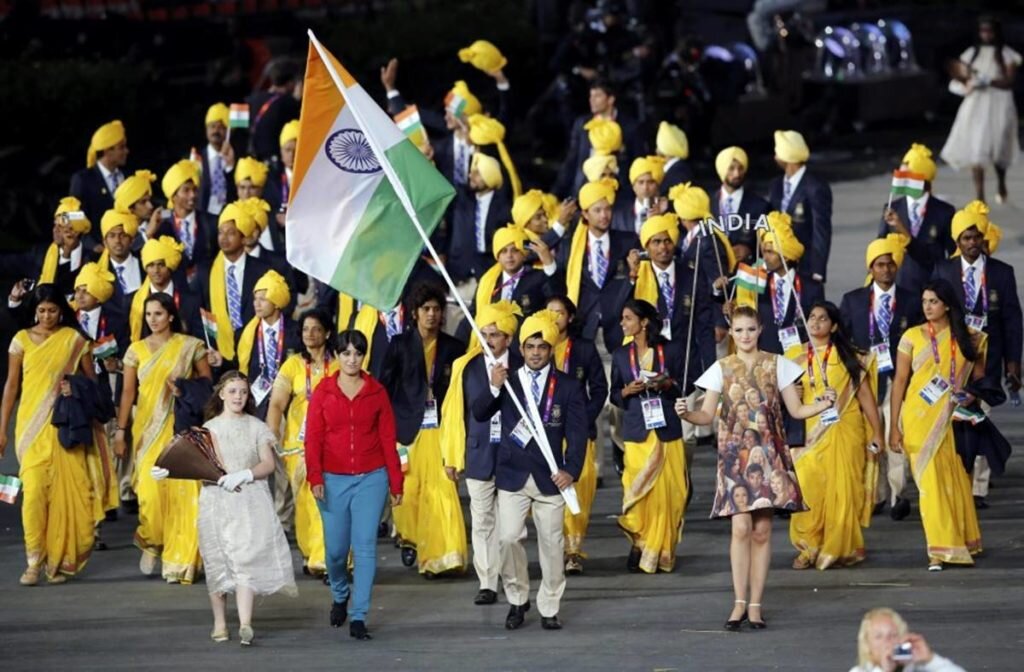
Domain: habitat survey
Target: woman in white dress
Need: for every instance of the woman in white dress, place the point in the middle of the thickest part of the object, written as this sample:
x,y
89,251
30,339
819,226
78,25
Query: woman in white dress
x,y
240,537
985,129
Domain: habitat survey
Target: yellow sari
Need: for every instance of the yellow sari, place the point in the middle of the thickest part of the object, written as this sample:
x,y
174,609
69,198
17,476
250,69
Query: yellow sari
x,y
947,506
653,495
575,527
831,471
309,527
430,516
168,509
57,507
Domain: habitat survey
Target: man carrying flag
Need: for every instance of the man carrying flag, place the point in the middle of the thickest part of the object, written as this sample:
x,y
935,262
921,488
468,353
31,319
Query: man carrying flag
x,y
924,219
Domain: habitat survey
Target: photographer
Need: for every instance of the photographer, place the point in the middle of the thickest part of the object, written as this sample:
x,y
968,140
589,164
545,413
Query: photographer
x,y
884,645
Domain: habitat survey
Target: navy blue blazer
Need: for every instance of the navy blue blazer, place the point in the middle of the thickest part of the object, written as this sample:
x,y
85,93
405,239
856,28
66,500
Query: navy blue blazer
x,y
206,183
855,309
932,244
65,278
1004,326
204,249
750,206
481,454
570,175
275,193
633,428
89,187
254,270
769,341
678,173
404,376
292,344
113,321
601,307
267,122
702,351
585,366
565,427
463,259
120,298
811,210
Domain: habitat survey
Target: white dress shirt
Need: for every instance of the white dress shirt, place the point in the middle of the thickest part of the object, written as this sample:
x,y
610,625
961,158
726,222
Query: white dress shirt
x,y
735,198
75,259
93,321
794,181
483,204
116,176
168,290
131,274
526,380
606,244
239,265
265,331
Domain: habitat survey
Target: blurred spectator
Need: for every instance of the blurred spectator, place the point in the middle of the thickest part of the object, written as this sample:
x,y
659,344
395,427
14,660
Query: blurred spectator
x,y
882,638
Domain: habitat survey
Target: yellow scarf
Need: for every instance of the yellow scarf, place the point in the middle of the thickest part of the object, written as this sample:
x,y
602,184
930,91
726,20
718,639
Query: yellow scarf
x,y
50,263
513,176
488,283
366,322
219,304
138,310
245,343
574,269
453,412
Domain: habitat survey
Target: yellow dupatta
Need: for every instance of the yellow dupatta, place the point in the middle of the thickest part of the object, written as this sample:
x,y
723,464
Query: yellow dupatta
x,y
50,262
574,266
453,412
154,410
137,314
366,322
219,304
488,283
245,344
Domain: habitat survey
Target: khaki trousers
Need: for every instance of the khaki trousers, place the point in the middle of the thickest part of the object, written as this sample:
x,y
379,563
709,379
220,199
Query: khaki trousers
x,y
483,510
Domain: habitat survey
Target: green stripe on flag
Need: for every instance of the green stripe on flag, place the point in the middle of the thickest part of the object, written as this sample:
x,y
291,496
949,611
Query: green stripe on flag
x,y
907,191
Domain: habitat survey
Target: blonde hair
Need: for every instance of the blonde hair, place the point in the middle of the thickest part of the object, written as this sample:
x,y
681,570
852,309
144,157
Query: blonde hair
x,y
863,648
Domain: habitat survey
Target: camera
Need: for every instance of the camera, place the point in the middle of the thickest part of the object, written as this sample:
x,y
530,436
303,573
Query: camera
x,y
28,284
645,255
72,216
903,653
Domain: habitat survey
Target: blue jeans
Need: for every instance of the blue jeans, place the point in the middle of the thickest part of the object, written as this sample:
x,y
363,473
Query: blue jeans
x,y
351,510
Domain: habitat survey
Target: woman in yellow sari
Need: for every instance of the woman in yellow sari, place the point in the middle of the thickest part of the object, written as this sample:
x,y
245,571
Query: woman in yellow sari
x,y
168,509
934,364
299,376
832,468
56,510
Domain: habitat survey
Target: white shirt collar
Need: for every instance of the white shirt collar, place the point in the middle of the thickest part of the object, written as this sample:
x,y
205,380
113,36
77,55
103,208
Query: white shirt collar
x,y
501,359
920,202
878,291
484,198
671,270
505,277
239,264
604,238
211,154
736,196
526,377
169,289
107,174
76,256
794,180
978,265
288,172
94,320
255,252
268,325
671,161
132,275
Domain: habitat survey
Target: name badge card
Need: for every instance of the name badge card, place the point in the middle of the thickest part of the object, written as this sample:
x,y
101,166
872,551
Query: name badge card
x,y
977,322
936,387
789,338
666,329
260,389
829,416
521,434
495,436
883,357
654,414
430,414
302,430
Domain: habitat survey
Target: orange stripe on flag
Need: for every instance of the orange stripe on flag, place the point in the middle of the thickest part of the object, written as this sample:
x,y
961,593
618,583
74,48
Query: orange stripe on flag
x,y
908,175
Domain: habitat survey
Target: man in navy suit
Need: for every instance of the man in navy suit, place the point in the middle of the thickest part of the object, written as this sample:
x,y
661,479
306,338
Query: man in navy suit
x,y
475,458
645,176
481,208
602,105
925,220
95,184
277,189
216,188
270,110
180,220
732,201
807,199
991,304
119,230
275,339
555,403
890,309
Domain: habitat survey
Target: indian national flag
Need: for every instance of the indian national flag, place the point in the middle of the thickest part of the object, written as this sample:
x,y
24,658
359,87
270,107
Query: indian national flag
x,y
906,183
238,115
455,104
347,224
753,278
209,324
10,486
961,414
105,347
408,121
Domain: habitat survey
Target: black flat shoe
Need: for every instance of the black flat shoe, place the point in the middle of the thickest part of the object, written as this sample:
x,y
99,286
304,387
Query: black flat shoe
x,y
979,503
633,560
550,622
339,614
382,530
485,596
130,506
516,616
357,630
734,625
408,557
757,625
110,516
901,509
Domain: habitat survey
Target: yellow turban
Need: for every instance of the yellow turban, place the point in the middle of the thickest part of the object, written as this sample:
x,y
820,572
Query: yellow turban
x,y
115,218
526,206
671,141
483,55
489,169
605,135
592,192
502,314
177,175
507,235
473,105
134,189
551,205
595,167
98,281
894,244
259,210
484,130
919,160
791,147
992,237
655,165
276,287
690,202
105,137
667,223
248,167
217,112
241,214
780,236
974,214
544,322
289,131
165,249
725,159
72,204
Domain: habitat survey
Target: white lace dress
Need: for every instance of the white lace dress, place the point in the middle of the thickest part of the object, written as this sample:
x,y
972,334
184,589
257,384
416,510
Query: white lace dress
x,y
240,536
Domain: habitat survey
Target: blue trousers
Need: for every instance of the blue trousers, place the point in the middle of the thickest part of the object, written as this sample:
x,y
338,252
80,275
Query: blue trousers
x,y
351,510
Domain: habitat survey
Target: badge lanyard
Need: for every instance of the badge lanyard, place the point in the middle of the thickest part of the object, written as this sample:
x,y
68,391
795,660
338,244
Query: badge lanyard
x,y
984,290
797,288
824,365
309,376
871,315
952,354
550,399
634,367
511,281
568,355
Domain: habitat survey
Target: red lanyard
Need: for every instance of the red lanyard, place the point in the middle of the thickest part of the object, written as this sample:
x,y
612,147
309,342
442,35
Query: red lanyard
x,y
309,376
636,369
568,355
511,281
824,364
797,288
871,314
952,354
280,342
284,190
550,399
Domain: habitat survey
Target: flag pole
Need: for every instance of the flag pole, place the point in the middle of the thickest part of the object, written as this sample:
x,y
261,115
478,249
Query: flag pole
x,y
569,494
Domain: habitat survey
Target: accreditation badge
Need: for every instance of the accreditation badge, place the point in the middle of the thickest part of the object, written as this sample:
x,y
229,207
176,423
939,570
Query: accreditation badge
x,y
654,414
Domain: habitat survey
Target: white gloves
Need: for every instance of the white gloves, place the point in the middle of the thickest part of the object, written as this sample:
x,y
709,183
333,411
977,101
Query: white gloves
x,y
235,480
159,473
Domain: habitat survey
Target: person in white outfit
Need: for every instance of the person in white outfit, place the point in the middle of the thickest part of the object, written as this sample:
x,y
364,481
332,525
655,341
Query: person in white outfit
x,y
985,129
884,645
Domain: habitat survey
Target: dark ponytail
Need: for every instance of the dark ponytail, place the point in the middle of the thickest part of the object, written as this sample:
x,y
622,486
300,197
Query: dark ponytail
x,y
957,323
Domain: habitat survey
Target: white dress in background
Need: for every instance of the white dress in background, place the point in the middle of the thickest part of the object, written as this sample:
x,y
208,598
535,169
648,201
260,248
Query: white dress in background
x,y
240,536
985,129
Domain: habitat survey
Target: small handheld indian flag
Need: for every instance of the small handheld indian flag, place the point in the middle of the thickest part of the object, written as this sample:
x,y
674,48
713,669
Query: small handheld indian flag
x,y
961,414
10,486
906,183
455,104
408,121
196,159
238,115
752,278
105,347
209,325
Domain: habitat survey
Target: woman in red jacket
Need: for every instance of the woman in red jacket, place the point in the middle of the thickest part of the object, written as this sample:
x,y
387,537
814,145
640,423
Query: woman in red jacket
x,y
351,459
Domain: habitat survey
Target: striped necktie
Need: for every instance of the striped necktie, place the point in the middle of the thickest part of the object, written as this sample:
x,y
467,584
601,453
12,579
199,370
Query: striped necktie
x,y
884,316
915,218
535,386
234,299
787,193
780,300
970,290
668,292
271,363
600,265
120,278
